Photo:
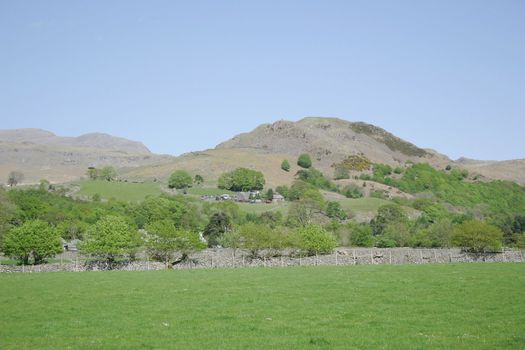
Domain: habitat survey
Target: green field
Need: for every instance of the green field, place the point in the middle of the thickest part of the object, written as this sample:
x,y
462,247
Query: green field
x,y
452,306
210,191
125,191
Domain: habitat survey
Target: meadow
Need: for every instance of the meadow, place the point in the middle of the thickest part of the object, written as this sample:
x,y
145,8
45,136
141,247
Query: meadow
x,y
125,191
452,306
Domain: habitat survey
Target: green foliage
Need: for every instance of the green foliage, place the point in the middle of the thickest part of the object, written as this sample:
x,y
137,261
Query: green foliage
x,y
35,238
341,172
520,241
399,233
108,173
477,237
269,194
257,237
231,239
304,211
361,235
109,238
283,190
304,161
198,179
316,179
219,224
315,240
334,211
285,165
180,179
352,191
242,179
386,215
434,236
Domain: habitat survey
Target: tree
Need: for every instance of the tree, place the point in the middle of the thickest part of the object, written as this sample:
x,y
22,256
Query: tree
x,y
304,161
477,237
315,240
44,185
36,239
180,179
219,224
242,179
108,173
198,179
231,239
334,211
92,173
269,194
285,165
110,238
14,178
387,214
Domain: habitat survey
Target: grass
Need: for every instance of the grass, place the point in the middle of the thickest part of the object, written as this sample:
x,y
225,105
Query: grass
x,y
368,204
125,191
210,191
259,208
456,306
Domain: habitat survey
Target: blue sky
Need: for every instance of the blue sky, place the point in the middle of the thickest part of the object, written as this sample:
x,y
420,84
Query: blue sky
x,y
185,75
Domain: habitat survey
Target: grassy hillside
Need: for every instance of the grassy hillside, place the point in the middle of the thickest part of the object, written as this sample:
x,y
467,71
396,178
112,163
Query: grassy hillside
x,y
471,306
126,191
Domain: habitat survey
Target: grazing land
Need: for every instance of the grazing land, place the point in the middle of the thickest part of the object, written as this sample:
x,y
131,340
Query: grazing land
x,y
456,306
125,191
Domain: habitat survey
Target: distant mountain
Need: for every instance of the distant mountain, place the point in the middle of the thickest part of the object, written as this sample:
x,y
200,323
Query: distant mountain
x,y
40,154
93,140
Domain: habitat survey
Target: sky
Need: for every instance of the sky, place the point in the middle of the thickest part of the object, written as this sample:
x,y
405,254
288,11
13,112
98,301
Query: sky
x,y
182,76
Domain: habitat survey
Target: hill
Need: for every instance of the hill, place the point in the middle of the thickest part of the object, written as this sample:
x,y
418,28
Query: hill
x,y
41,154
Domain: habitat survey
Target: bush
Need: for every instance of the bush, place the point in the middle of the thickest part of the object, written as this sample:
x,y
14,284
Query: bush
x,y
386,215
352,191
219,224
315,240
36,239
361,235
340,172
477,237
334,211
285,165
304,161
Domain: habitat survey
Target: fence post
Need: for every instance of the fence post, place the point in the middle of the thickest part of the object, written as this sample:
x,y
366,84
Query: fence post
x,y
390,257
435,256
371,257
353,255
76,263
243,259
421,256
282,264
336,257
23,267
233,259
300,256
211,257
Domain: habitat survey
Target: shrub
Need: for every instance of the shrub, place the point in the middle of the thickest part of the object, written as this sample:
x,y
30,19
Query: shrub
x,y
315,240
304,161
340,172
361,235
387,214
477,237
285,165
334,211
219,224
352,191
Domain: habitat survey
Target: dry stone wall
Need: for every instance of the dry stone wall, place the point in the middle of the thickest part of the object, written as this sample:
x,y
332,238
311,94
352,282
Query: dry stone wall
x,y
227,258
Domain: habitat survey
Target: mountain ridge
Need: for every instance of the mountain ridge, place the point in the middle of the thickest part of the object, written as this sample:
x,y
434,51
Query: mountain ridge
x,y
42,154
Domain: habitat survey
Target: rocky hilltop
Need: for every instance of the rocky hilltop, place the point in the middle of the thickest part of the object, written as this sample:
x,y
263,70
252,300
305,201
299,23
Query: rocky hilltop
x,y
330,140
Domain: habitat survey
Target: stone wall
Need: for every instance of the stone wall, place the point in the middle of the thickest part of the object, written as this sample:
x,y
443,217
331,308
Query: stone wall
x,y
225,258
